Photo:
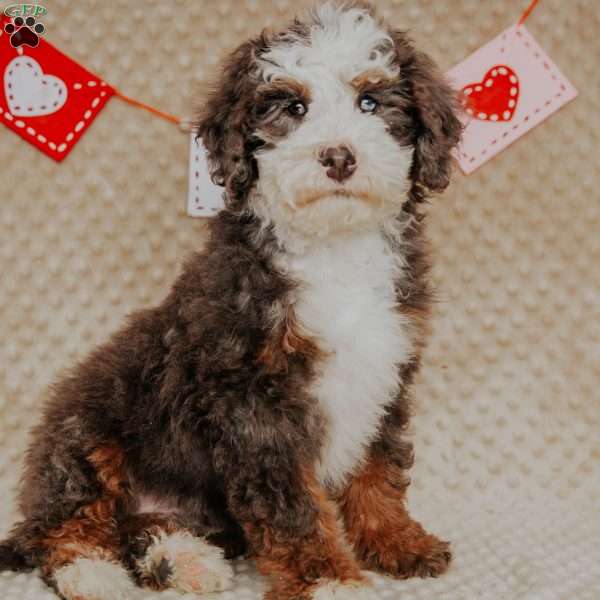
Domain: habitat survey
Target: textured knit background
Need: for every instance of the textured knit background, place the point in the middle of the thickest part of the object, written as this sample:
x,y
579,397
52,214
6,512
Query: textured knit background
x,y
507,426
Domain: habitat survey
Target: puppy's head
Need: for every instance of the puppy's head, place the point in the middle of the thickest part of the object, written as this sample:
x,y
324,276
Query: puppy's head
x,y
333,123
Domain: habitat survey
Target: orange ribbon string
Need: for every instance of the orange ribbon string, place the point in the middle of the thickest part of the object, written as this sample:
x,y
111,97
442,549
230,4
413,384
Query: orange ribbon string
x,y
526,14
149,108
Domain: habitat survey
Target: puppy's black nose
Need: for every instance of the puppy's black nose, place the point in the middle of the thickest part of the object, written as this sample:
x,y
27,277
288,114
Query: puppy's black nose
x,y
339,162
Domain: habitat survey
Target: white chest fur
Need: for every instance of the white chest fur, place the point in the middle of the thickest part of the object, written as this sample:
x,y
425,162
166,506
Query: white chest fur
x,y
346,299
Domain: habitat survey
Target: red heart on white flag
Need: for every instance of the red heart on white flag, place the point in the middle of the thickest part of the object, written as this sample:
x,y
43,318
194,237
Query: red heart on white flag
x,y
495,98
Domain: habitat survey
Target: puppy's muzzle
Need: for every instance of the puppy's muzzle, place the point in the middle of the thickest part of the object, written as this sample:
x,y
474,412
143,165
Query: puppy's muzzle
x,y
340,162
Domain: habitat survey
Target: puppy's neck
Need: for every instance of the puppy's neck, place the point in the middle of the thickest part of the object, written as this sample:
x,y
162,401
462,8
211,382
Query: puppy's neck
x,y
335,220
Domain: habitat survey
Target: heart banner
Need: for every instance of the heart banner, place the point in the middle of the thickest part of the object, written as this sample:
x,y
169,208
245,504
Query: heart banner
x,y
506,88
48,99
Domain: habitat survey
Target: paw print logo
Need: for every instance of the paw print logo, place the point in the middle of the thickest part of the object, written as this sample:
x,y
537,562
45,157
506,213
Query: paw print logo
x,y
24,32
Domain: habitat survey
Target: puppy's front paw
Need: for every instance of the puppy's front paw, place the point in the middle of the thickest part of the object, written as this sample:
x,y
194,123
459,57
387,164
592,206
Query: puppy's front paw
x,y
426,556
432,561
343,590
358,588
186,563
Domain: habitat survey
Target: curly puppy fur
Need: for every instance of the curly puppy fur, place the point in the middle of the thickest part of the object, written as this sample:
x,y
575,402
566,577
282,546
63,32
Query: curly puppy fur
x,y
261,406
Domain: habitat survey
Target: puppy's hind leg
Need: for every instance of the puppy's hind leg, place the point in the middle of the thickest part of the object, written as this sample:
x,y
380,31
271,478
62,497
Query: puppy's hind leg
x,y
82,556
163,554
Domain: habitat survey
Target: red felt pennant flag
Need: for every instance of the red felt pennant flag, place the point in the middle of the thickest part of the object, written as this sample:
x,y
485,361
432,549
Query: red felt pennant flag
x,y
47,98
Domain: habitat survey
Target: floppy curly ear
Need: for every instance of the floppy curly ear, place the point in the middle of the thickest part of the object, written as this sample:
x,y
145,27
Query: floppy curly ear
x,y
224,125
437,127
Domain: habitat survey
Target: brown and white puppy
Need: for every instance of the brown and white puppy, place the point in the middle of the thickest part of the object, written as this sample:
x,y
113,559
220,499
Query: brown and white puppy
x,y
261,406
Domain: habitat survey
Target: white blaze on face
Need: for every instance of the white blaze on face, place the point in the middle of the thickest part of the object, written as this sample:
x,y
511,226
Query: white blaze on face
x,y
342,45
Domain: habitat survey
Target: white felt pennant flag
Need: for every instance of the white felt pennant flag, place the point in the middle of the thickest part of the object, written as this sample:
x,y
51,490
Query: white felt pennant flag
x,y
205,199
507,87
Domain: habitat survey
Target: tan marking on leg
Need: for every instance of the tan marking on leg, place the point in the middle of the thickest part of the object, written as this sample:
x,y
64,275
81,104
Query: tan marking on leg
x,y
384,536
297,565
288,339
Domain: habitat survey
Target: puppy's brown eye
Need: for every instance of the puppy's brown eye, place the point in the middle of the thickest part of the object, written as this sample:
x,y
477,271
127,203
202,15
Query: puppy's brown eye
x,y
297,108
367,104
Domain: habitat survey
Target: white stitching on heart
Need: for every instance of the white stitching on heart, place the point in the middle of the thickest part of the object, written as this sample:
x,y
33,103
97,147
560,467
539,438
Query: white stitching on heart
x,y
488,83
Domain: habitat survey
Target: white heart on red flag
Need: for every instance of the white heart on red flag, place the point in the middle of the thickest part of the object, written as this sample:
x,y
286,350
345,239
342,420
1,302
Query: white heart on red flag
x,y
30,92
46,97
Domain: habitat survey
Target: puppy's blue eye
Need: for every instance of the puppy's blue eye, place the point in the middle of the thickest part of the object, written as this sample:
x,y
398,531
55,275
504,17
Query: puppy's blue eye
x,y
297,108
368,104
